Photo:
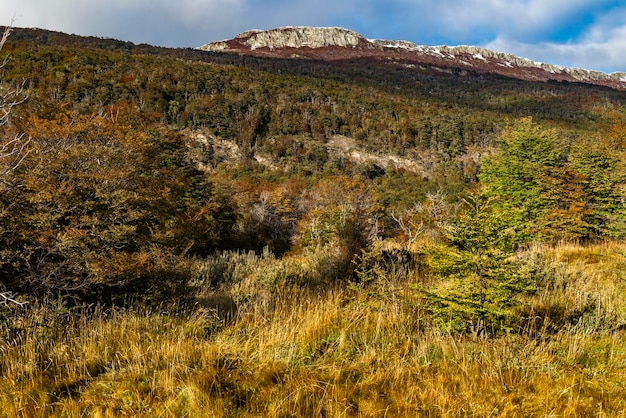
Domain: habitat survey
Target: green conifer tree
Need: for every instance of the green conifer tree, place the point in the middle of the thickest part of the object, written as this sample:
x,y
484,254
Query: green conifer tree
x,y
482,279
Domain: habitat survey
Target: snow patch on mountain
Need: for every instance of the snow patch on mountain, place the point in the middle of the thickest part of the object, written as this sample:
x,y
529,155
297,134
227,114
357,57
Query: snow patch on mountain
x,y
406,45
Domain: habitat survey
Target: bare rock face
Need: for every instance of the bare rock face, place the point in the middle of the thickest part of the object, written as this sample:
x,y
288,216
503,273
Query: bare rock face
x,y
299,37
514,61
341,44
394,44
290,37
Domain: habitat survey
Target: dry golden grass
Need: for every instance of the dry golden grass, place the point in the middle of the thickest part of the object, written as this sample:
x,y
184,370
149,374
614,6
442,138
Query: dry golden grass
x,y
333,353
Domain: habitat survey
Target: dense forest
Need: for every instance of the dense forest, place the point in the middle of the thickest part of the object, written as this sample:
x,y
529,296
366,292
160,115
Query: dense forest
x,y
185,233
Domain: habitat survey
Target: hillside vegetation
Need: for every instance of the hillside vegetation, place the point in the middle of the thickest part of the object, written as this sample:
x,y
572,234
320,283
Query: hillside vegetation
x,y
185,233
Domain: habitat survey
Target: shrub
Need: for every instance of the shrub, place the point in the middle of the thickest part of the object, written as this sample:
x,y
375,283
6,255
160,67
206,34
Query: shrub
x,y
104,207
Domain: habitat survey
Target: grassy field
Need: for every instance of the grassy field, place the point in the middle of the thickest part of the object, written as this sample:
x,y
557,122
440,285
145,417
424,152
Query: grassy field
x,y
345,351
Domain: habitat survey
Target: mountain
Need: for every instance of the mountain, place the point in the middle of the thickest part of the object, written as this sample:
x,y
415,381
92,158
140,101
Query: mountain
x,y
337,44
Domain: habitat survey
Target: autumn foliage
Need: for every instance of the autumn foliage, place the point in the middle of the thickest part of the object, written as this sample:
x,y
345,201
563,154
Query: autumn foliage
x,y
116,196
107,206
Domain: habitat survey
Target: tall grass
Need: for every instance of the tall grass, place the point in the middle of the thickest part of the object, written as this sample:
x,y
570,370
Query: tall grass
x,y
331,351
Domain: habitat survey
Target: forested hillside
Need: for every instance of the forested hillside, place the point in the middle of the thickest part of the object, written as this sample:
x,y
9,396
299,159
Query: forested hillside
x,y
363,217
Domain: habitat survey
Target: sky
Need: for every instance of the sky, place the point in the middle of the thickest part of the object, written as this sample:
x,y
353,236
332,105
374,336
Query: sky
x,y
588,34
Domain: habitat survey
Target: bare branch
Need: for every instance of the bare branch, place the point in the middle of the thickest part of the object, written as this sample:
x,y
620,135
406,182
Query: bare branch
x,y
5,35
13,148
7,297
3,39
408,224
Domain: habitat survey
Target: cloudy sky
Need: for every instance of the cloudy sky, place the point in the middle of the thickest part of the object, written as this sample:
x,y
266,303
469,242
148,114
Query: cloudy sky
x,y
587,34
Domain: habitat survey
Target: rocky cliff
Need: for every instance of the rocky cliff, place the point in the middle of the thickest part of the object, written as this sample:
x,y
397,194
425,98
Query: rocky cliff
x,y
290,37
303,37
340,44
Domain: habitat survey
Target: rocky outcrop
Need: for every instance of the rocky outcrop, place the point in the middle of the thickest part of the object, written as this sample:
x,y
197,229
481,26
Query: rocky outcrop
x,y
514,61
299,37
291,37
339,44
394,44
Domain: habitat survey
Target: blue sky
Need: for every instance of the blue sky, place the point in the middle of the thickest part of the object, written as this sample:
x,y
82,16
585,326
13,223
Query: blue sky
x,y
587,34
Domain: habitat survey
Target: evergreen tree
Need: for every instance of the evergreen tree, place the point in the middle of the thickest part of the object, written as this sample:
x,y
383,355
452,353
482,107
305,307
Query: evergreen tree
x,y
481,278
538,191
602,165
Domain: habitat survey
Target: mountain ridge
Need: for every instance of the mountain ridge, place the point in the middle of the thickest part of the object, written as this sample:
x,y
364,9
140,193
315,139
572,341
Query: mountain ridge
x,y
336,43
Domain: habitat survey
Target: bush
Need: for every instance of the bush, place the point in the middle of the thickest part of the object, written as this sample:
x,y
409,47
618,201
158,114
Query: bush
x,y
383,263
105,211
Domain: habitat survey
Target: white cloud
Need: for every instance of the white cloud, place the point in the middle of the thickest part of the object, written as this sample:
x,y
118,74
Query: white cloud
x,y
602,47
518,19
548,30
153,21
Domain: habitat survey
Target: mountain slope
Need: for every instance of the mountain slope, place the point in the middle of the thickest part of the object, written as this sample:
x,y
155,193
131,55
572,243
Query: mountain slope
x,y
333,44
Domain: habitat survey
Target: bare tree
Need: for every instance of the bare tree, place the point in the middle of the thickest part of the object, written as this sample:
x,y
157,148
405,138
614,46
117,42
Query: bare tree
x,y
429,219
13,147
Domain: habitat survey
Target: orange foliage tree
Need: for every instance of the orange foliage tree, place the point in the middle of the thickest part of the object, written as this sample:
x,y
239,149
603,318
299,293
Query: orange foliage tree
x,y
108,206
